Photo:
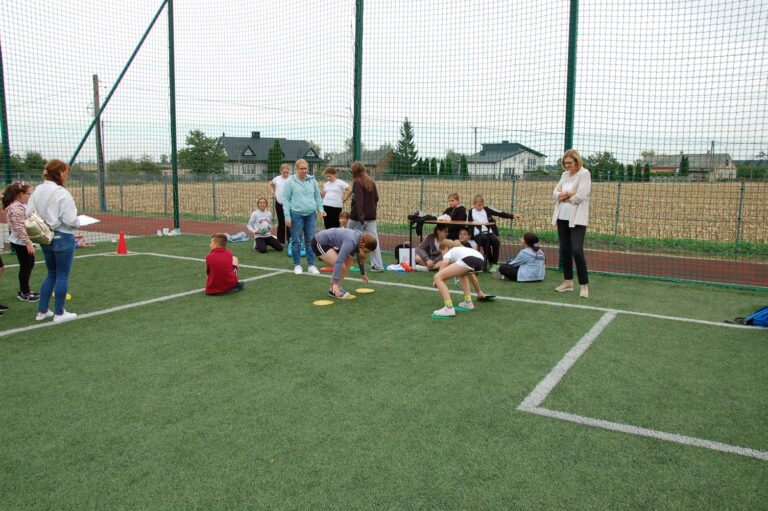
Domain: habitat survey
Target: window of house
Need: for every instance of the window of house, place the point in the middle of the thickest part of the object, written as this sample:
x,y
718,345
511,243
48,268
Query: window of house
x,y
249,168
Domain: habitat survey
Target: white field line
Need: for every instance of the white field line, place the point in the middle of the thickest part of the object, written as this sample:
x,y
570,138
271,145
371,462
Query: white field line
x,y
119,308
650,433
537,396
545,386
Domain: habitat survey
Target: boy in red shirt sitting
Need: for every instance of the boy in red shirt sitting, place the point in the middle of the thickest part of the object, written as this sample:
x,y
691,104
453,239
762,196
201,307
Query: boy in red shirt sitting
x,y
221,267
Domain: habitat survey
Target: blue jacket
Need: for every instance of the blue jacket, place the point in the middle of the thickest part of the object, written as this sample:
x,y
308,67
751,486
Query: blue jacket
x,y
530,265
301,198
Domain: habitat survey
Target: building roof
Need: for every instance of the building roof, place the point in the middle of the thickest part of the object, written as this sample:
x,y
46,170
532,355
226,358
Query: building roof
x,y
493,153
255,149
700,162
369,158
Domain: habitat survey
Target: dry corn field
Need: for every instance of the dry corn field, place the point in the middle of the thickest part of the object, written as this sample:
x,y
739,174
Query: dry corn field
x,y
698,211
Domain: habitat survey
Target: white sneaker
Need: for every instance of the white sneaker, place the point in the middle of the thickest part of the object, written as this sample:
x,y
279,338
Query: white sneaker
x,y
420,267
44,315
467,305
313,270
446,311
297,269
65,316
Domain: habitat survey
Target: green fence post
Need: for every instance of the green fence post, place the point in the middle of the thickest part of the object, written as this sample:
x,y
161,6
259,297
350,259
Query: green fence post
x,y
165,195
4,125
358,84
82,192
570,91
738,218
618,214
172,99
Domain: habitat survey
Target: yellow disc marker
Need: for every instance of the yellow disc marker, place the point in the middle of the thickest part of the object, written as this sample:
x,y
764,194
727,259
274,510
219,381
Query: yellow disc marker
x,y
322,303
364,290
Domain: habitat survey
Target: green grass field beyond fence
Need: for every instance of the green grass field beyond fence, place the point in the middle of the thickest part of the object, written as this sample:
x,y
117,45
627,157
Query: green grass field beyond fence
x,y
160,397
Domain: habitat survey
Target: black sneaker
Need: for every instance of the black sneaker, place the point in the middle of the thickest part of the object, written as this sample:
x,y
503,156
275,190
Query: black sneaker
x,y
28,297
376,269
3,308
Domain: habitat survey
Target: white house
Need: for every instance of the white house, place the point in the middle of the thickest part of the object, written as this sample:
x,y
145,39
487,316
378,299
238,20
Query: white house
x,y
505,160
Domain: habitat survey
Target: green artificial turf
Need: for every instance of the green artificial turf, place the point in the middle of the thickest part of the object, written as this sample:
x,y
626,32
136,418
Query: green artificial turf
x,y
261,400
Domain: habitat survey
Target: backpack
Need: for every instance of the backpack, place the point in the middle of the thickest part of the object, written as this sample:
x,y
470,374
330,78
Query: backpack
x,y
757,318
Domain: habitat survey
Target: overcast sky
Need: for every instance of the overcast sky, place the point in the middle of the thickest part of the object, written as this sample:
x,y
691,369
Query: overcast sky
x,y
664,75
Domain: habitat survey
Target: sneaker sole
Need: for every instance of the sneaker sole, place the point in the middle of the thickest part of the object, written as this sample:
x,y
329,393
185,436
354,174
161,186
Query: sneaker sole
x,y
462,309
442,317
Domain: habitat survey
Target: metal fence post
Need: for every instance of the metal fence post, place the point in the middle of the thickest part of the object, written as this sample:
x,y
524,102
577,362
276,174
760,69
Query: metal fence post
x,y
421,193
512,206
618,213
121,193
165,194
82,193
738,218
213,193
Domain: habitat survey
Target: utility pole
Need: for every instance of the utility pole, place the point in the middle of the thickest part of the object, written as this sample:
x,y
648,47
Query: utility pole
x,y
99,145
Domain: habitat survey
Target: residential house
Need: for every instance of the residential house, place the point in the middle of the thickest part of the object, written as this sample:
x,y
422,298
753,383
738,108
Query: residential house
x,y
247,156
505,160
701,167
376,162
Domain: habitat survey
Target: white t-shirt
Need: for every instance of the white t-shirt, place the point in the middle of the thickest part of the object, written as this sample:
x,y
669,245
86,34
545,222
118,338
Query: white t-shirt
x,y
479,216
458,253
279,183
334,191
564,212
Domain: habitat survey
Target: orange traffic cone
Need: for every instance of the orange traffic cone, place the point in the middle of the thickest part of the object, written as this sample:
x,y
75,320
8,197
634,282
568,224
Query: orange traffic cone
x,y
121,247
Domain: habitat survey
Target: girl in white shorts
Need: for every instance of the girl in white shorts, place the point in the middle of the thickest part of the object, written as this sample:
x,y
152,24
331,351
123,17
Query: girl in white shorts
x,y
462,262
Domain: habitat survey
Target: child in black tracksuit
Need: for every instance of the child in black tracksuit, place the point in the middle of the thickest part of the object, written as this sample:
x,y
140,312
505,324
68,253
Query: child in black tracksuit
x,y
487,237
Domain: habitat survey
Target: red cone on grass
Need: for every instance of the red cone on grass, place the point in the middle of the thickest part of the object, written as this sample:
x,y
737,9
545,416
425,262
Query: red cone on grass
x,y
121,247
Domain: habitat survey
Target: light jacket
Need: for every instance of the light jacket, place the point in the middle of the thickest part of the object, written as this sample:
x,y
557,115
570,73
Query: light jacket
x,y
301,198
580,201
60,213
530,265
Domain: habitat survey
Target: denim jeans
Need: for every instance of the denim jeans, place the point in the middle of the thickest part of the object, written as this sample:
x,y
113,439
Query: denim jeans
x,y
306,225
59,256
370,226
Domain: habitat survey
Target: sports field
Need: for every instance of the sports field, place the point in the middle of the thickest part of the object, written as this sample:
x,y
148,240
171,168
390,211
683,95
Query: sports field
x,y
159,397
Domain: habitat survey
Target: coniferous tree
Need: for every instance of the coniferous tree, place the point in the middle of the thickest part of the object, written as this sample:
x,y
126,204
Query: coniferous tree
x,y
647,173
274,158
405,155
433,166
685,167
464,166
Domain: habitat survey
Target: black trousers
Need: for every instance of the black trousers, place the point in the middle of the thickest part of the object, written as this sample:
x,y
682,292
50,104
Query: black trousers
x,y
508,271
331,219
491,245
260,244
283,232
572,249
26,265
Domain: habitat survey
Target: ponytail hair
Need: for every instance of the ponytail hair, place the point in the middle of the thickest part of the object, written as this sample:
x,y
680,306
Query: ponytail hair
x,y
53,171
532,241
12,191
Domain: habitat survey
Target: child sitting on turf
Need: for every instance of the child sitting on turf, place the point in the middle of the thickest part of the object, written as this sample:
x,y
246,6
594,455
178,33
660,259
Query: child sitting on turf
x,y
428,252
465,238
528,266
344,219
336,246
462,262
260,225
221,267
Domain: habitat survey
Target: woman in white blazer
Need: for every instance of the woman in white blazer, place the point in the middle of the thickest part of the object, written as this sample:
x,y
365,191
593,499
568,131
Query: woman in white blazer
x,y
571,216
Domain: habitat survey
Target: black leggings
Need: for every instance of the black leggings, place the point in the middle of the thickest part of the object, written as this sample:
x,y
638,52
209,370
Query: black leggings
x,y
491,245
260,244
283,232
331,219
26,265
572,249
508,271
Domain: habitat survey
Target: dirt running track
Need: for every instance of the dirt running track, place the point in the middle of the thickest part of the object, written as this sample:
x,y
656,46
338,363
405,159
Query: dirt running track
x,y
684,268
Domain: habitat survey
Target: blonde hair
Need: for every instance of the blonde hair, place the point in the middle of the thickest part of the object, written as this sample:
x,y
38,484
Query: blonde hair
x,y
448,244
572,153
262,199
285,166
454,196
220,240
478,197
